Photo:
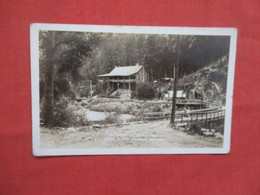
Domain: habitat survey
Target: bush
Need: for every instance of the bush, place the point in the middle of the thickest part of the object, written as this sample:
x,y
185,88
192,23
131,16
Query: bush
x,y
195,128
120,108
84,93
133,95
112,118
84,103
145,91
67,114
157,108
218,77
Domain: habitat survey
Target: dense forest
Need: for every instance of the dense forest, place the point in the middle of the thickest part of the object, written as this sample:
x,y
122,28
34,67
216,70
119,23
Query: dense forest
x,y
156,52
68,57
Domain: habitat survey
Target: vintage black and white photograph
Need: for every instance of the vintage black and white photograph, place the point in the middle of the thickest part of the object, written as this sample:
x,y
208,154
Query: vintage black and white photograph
x,y
131,90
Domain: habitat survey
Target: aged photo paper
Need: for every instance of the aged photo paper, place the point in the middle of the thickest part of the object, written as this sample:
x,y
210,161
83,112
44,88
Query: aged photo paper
x,y
131,89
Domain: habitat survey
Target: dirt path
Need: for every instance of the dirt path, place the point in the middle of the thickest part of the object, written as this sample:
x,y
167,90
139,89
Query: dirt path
x,y
156,134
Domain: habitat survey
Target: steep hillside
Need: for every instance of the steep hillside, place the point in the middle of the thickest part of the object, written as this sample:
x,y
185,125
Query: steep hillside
x,y
210,82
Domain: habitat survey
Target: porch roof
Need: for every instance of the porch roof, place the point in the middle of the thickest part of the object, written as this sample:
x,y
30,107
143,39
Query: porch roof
x,y
123,71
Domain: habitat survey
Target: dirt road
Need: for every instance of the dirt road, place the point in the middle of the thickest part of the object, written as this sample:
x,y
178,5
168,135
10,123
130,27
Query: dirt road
x,y
155,134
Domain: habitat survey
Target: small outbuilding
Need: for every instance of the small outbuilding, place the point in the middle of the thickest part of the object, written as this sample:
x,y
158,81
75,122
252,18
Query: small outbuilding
x,y
180,94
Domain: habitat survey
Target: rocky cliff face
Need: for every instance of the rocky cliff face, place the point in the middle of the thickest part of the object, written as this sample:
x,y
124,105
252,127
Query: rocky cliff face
x,y
209,82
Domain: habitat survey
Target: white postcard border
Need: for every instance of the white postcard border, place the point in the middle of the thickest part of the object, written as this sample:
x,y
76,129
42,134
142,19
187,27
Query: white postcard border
x,y
34,49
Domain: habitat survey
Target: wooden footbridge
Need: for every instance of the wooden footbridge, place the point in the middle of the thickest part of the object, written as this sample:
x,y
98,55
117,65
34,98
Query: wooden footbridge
x,y
186,116
182,102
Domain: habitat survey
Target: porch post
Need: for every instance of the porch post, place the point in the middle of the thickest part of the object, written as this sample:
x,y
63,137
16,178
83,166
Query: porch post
x,y
129,86
123,82
117,82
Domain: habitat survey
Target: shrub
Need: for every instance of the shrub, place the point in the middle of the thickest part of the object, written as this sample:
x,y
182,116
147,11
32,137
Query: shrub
x,y
67,114
157,108
195,128
84,93
112,118
145,91
83,103
133,95
218,77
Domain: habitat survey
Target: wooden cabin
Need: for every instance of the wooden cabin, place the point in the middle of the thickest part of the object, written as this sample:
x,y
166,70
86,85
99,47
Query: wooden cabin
x,y
125,77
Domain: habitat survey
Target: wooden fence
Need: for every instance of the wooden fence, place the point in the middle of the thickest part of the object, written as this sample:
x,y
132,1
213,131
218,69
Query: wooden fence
x,y
201,116
208,114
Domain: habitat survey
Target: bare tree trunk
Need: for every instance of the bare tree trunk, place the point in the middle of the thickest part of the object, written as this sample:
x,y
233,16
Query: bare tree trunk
x,y
175,84
48,104
152,73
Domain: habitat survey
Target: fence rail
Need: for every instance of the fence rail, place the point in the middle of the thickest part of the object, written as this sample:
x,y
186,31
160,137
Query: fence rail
x,y
201,116
208,114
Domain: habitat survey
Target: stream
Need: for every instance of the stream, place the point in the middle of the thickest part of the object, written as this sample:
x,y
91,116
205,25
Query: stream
x,y
99,116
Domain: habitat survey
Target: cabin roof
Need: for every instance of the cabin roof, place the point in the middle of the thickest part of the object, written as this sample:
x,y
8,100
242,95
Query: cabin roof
x,y
123,71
